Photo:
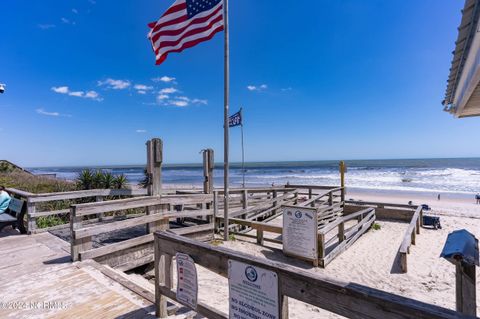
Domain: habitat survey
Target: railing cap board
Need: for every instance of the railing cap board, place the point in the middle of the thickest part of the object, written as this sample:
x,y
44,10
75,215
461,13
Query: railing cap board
x,y
129,203
255,190
19,192
357,202
333,188
44,197
338,221
344,298
407,240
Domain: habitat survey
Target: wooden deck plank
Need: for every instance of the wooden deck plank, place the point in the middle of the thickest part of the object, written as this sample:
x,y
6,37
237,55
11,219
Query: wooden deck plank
x,y
38,280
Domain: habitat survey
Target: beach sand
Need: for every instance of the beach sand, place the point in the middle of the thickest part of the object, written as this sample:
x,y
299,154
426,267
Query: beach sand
x,y
370,261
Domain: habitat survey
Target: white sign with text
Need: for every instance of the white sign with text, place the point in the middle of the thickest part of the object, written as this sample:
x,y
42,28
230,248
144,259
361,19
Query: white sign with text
x,y
187,283
253,292
299,232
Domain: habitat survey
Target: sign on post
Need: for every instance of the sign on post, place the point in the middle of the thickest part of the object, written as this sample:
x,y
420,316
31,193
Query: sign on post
x,y
299,232
253,292
187,283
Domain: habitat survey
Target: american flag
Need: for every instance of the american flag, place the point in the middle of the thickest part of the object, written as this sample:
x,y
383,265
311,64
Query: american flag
x,y
185,24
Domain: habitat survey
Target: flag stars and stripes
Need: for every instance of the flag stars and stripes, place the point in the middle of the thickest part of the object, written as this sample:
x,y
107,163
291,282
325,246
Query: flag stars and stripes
x,y
185,24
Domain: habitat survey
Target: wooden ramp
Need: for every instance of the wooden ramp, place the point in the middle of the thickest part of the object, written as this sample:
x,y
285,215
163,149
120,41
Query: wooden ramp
x,y
38,280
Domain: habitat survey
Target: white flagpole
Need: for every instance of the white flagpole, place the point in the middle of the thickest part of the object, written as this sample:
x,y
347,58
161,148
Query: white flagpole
x,y
225,120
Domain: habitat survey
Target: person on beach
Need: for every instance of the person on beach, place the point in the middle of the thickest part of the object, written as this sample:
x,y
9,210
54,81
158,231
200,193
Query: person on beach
x,y
4,200
477,197
438,197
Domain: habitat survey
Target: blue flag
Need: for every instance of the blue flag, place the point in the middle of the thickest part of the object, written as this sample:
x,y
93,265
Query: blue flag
x,y
235,119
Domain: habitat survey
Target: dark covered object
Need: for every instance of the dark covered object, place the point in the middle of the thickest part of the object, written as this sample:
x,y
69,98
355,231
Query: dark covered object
x,y
461,246
432,221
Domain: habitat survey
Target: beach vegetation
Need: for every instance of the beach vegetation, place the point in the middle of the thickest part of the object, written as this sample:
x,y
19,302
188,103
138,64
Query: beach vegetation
x,y
145,181
376,226
89,179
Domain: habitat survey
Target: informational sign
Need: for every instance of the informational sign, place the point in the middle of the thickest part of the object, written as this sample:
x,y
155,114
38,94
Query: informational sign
x,y
299,233
253,292
187,284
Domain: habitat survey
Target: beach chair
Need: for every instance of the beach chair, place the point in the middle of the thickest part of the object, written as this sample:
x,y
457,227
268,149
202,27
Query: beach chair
x,y
433,221
14,215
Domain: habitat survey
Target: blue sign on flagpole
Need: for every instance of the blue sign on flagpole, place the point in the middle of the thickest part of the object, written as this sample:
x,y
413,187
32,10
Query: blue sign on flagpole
x,y
235,119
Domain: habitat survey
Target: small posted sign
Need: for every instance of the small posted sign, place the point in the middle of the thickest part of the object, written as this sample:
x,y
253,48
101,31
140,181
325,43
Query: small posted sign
x,y
187,283
300,232
253,292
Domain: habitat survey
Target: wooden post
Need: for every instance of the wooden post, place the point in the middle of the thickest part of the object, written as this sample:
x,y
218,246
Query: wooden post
x,y
330,199
244,199
466,299
341,232
216,220
100,216
208,166
81,244
163,276
260,237
154,171
283,303
342,179
31,221
275,203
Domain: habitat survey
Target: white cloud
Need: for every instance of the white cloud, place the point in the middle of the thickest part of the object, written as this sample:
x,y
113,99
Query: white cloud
x,y
115,84
262,87
88,95
93,95
162,97
142,89
178,103
46,26
183,98
141,131
42,111
166,79
198,101
60,89
75,11
168,91
65,20
286,89
77,93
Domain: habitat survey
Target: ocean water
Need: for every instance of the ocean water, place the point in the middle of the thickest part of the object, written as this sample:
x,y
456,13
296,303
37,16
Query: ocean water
x,y
454,176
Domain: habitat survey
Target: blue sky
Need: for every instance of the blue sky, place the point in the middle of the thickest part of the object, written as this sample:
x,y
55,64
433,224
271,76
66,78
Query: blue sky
x,y
351,79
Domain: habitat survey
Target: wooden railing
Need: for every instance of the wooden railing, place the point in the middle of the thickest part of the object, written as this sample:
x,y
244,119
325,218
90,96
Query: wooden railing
x,y
35,200
343,298
263,204
329,248
83,230
386,211
409,238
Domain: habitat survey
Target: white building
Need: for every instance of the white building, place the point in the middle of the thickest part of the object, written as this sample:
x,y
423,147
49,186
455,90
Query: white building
x,y
462,98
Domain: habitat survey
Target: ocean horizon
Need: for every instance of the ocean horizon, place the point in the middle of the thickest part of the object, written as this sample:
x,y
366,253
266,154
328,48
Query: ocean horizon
x,y
455,176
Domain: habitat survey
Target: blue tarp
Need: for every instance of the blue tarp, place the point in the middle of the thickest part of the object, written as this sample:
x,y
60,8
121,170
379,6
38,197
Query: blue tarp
x,y
461,245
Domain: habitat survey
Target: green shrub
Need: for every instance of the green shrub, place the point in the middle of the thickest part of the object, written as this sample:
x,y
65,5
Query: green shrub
x,y
376,226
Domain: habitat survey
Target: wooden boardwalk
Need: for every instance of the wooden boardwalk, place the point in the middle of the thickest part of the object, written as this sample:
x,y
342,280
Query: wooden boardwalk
x,y
38,280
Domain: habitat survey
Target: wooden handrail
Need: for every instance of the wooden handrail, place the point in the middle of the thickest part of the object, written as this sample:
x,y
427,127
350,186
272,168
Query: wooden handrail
x,y
46,197
19,192
343,219
138,202
409,237
343,298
